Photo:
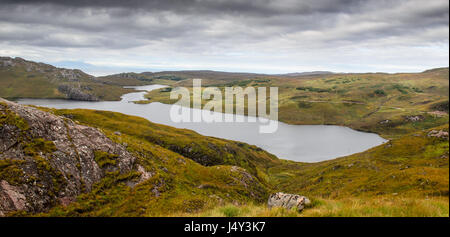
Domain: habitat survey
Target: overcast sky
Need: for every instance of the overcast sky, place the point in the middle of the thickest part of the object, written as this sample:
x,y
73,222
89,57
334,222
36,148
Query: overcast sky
x,y
235,35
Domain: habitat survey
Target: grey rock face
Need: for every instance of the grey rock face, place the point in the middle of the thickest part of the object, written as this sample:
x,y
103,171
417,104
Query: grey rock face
x,y
288,201
76,93
51,176
439,134
414,118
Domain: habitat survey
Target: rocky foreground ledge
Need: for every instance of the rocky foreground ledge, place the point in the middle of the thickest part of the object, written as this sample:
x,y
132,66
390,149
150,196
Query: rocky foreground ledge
x,y
47,160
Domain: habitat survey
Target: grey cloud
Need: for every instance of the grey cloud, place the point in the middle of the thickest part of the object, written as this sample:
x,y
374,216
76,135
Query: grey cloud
x,y
207,27
261,7
156,20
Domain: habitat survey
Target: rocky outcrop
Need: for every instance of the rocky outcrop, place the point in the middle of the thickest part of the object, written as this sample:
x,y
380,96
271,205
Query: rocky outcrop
x,y
386,121
438,113
47,159
414,118
441,106
288,201
438,133
76,93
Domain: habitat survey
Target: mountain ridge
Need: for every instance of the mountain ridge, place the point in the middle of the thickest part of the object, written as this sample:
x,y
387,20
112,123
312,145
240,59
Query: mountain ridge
x,y
20,78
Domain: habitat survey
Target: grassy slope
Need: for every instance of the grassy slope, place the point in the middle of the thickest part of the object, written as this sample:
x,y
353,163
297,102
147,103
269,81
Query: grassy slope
x,y
120,81
413,165
21,84
17,82
347,207
108,92
181,184
409,177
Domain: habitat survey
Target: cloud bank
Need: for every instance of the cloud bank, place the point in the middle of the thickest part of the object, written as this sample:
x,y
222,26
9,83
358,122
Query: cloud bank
x,y
236,35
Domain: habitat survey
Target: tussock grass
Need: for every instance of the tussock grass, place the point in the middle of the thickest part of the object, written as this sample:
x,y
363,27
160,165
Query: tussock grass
x,y
349,207
406,177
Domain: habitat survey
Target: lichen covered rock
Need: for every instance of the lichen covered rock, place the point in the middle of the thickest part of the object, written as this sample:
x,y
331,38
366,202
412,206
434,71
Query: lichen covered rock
x,y
47,159
439,134
288,201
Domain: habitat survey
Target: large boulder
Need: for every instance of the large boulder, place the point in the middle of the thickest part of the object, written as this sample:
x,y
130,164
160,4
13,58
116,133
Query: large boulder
x,y
288,201
439,134
76,93
47,159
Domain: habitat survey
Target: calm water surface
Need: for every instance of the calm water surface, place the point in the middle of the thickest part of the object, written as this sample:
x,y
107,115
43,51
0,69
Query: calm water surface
x,y
305,143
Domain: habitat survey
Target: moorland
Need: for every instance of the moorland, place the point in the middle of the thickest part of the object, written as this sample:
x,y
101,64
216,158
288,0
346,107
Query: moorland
x,y
177,172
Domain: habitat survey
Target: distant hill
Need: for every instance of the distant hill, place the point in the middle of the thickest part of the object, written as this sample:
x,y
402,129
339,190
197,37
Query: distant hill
x,y
442,71
209,77
206,74
183,75
297,74
20,78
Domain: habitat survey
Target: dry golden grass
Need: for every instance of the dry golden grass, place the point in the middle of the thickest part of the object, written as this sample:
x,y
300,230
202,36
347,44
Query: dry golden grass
x,y
349,207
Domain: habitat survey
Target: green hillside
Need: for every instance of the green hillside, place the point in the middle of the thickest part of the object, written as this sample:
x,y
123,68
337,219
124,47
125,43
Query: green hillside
x,y
187,174
20,78
387,104
382,181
